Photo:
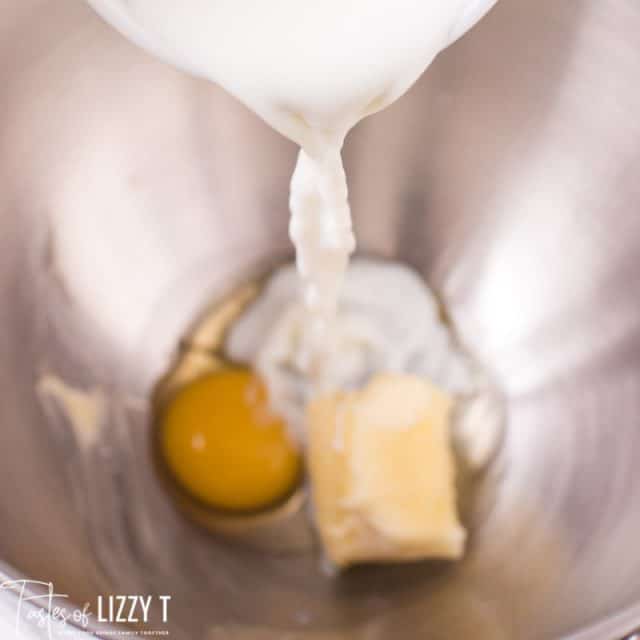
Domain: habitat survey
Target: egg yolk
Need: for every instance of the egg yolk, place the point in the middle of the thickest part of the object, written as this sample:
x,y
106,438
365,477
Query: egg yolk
x,y
225,447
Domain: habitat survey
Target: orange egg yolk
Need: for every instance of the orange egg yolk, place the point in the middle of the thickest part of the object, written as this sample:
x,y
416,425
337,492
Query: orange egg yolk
x,y
224,446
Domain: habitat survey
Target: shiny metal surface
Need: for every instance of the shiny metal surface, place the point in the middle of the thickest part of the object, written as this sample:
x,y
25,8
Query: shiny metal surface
x,y
130,195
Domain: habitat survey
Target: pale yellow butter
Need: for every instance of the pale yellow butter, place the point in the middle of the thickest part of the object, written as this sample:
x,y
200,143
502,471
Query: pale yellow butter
x,y
383,474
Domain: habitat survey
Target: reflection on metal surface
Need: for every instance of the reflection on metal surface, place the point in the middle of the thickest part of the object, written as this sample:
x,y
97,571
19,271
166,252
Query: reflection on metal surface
x,y
82,410
507,177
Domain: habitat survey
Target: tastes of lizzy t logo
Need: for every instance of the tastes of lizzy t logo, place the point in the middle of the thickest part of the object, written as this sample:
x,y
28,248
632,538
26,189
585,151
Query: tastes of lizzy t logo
x,y
38,604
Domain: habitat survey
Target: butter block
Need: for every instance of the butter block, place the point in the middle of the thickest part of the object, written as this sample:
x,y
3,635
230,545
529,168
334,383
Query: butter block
x,y
382,472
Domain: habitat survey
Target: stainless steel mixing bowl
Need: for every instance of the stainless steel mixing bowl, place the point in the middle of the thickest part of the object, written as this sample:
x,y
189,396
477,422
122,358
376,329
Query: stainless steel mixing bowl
x,y
132,195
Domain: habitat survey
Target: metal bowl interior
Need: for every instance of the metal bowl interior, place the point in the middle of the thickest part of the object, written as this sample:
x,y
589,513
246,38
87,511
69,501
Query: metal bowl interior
x,y
132,196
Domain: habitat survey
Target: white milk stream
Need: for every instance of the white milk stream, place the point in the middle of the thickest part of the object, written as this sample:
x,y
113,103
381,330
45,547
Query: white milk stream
x,y
312,70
